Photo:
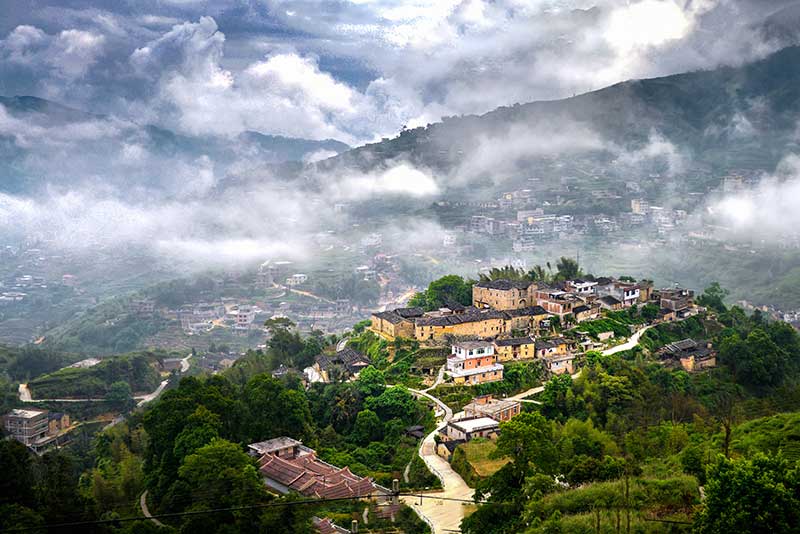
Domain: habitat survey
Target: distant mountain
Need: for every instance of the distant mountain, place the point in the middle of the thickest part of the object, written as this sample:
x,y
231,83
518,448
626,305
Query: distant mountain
x,y
743,116
26,106
52,144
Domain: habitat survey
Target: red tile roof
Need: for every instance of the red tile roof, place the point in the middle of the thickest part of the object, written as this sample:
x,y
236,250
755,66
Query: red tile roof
x,y
310,476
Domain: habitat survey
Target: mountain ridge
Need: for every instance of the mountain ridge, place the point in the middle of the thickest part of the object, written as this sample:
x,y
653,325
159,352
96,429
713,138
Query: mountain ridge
x,y
695,109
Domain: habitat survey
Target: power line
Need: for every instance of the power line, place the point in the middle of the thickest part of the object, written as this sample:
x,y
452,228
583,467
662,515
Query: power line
x,y
235,509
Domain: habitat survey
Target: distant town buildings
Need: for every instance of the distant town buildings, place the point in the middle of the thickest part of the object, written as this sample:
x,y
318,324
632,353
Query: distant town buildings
x,y
296,280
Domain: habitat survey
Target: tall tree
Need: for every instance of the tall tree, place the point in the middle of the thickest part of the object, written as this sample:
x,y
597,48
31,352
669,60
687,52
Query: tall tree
x,y
567,269
759,495
450,288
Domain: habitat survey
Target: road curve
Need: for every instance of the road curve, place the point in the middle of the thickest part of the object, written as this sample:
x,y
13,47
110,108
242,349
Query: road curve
x,y
446,515
628,345
441,515
146,512
632,342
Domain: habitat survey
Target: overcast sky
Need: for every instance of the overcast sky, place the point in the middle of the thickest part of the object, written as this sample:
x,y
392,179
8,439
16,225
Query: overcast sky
x,y
353,70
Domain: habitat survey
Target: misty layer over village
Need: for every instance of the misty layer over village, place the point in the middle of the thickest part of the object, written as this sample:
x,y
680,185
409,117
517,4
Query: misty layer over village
x,y
457,266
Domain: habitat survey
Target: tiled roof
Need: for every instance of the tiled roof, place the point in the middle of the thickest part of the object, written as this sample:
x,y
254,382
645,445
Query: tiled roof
x,y
530,310
312,477
504,285
469,345
326,526
549,343
513,342
460,318
351,359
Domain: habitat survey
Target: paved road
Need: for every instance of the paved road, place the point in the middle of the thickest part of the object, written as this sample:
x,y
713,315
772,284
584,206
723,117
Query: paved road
x,y
439,379
442,516
146,512
534,391
628,345
632,342
144,399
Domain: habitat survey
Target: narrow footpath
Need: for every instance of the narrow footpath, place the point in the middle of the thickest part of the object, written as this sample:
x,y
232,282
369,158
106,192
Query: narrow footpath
x,y
25,393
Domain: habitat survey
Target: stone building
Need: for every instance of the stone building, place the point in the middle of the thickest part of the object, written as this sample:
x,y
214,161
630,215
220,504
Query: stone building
x,y
503,294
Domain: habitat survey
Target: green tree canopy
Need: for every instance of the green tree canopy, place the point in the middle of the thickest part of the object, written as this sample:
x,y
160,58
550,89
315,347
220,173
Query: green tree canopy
x,y
567,269
368,428
759,495
450,288
756,360
714,297
371,382
119,394
394,403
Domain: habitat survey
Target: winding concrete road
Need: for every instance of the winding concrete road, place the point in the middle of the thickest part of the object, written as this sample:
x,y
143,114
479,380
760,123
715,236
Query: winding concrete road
x,y
144,399
441,515
628,345
146,511
439,379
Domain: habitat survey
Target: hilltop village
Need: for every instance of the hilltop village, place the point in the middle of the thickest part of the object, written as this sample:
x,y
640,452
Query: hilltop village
x,y
516,320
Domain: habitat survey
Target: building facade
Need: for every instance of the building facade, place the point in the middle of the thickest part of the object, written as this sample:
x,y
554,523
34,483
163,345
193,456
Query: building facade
x,y
513,349
502,294
472,427
473,362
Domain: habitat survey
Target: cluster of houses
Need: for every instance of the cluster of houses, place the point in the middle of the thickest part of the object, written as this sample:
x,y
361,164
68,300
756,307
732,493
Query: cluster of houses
x,y
507,317
481,419
502,307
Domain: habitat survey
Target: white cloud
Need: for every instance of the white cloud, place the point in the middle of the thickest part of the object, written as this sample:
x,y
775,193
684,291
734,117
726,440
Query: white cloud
x,y
22,42
68,55
501,156
399,180
658,148
414,61
74,51
766,212
646,23
284,94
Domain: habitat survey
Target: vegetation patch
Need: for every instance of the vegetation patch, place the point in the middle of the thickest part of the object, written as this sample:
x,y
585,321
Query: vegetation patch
x,y
135,369
479,454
